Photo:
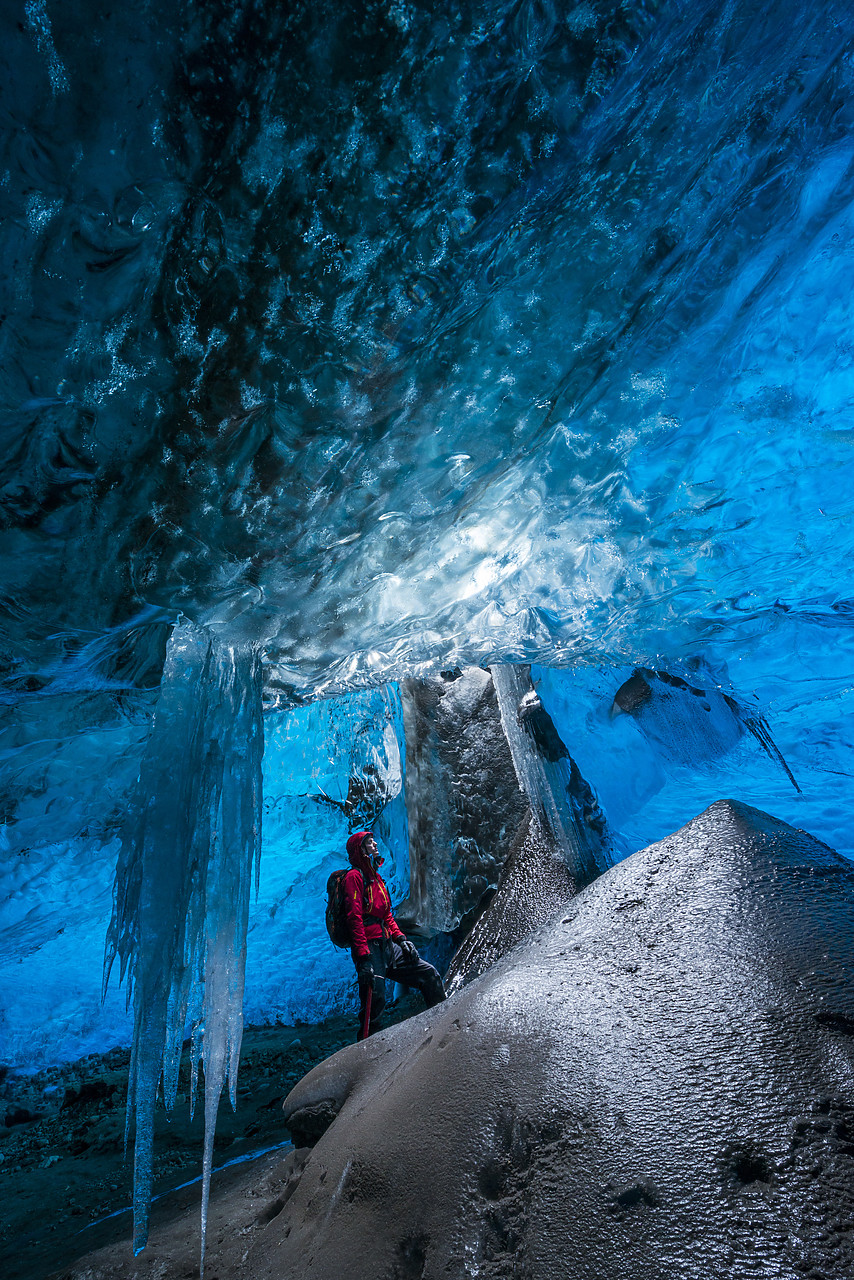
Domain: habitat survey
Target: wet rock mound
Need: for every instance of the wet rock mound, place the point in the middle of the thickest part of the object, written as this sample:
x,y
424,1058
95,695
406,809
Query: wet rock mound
x,y
660,1083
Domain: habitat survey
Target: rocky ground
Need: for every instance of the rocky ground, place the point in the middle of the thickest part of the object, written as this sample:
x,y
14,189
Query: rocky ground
x,y
65,1182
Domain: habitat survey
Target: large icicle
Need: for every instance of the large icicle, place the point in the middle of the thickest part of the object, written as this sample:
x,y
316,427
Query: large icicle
x,y
183,885
563,804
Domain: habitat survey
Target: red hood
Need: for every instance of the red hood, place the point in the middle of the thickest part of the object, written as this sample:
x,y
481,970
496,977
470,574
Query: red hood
x,y
357,858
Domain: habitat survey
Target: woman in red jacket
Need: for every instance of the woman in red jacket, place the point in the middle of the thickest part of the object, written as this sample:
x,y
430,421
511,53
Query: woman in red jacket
x,y
379,948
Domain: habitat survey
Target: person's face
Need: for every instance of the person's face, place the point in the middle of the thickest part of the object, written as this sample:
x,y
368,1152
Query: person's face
x,y
369,847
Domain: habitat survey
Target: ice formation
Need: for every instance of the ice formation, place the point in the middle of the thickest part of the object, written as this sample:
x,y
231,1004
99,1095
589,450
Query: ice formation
x,y
348,345
463,804
315,758
189,855
509,330
563,804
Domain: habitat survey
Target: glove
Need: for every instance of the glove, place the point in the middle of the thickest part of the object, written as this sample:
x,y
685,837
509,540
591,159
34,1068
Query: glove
x,y
410,955
365,969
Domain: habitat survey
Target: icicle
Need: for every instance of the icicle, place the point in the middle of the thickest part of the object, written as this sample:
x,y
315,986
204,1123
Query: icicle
x,y
759,728
183,884
562,802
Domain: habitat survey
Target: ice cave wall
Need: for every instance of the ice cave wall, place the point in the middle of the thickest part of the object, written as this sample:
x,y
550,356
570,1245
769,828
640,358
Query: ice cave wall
x,y
401,337
57,900
346,345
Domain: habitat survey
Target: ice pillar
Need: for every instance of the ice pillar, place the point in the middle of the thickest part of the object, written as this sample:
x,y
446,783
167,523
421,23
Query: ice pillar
x,y
563,804
183,884
463,805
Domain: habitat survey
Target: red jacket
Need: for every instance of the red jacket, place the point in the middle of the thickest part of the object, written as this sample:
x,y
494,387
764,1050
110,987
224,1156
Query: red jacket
x,y
377,906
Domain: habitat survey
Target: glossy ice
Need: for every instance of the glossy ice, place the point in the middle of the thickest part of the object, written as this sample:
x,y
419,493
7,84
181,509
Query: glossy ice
x,y
377,340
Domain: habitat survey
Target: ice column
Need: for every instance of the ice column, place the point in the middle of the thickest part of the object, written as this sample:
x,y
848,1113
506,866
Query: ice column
x,y
463,806
183,882
563,804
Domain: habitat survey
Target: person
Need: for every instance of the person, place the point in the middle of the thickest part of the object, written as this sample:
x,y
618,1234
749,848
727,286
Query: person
x,y
379,947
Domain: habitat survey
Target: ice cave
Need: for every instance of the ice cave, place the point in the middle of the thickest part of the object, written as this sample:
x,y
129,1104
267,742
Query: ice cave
x,y
435,419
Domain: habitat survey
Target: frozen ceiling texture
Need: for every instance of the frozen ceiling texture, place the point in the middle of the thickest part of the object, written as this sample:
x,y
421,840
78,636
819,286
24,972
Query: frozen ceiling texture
x,y
346,344
396,333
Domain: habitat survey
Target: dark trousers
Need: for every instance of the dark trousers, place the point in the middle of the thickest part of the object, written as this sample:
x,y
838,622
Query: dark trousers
x,y
389,962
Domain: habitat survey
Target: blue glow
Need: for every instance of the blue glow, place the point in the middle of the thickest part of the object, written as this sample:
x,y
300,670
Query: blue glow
x,y
50,976
651,785
293,970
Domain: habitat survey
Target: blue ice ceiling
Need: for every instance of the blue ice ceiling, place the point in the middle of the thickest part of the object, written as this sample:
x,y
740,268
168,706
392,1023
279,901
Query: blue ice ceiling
x,y
393,333
372,340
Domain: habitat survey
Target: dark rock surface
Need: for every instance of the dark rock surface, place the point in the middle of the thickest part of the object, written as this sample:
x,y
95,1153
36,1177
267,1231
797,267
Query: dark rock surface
x,y
69,1155
463,803
659,1084
535,885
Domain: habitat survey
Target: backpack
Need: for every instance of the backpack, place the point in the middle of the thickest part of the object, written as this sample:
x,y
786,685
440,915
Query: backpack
x,y
336,919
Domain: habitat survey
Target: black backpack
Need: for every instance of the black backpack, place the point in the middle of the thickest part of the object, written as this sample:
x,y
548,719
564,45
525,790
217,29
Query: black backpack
x,y
336,919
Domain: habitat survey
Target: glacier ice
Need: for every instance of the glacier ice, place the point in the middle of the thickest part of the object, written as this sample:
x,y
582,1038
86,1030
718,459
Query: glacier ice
x,y
59,861
70,749
563,804
462,801
188,858
315,756
364,343
528,343
649,784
